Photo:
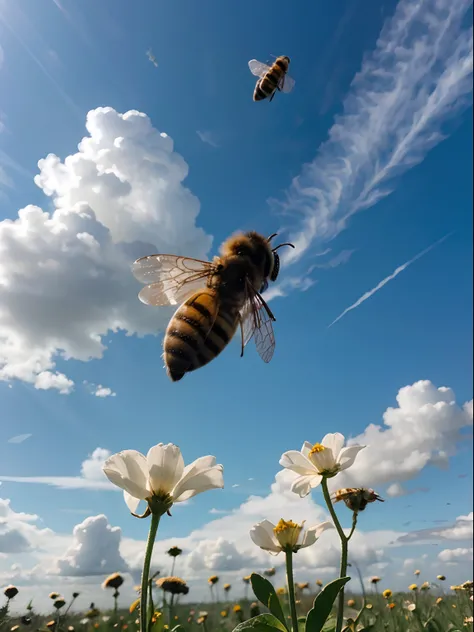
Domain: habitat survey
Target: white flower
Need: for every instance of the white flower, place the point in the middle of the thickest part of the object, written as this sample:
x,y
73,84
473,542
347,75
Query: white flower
x,y
161,473
286,535
321,459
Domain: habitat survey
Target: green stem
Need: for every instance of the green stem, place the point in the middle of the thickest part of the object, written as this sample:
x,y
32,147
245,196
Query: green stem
x,y
171,609
354,525
344,551
172,566
291,589
116,594
155,521
151,605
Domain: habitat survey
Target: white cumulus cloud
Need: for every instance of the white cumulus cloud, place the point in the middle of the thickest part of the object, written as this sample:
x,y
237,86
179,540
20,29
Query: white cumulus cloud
x,y
423,429
456,555
120,196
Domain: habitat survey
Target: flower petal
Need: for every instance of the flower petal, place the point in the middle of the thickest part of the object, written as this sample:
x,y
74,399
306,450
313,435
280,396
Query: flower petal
x,y
132,502
297,462
200,481
334,442
303,484
263,536
165,467
312,533
348,455
306,448
128,470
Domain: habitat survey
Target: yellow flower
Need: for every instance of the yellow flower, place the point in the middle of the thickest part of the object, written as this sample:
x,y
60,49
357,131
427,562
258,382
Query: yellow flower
x,y
246,579
439,600
237,608
173,585
425,586
387,593
351,603
113,581
457,588
224,613
441,578
227,587
133,605
281,591
303,586
391,606
413,587
213,579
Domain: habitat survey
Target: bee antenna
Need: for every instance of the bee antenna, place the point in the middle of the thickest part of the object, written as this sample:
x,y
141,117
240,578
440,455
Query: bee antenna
x,y
272,236
285,244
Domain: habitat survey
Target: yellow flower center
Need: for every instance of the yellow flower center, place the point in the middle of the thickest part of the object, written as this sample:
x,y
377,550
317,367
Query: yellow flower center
x,y
317,447
287,533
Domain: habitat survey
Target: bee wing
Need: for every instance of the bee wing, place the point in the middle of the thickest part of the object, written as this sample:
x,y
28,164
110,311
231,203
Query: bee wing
x,y
287,83
257,68
170,279
257,324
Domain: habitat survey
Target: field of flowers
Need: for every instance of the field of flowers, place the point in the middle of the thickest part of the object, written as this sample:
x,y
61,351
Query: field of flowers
x,y
424,607
161,479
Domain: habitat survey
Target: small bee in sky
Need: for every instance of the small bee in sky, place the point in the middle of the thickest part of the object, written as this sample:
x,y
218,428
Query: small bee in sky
x,y
271,78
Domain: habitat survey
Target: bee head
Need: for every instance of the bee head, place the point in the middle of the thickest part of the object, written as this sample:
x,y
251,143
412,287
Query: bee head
x,y
276,258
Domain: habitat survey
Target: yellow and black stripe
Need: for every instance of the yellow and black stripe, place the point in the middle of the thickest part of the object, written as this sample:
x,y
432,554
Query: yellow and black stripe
x,y
197,333
267,85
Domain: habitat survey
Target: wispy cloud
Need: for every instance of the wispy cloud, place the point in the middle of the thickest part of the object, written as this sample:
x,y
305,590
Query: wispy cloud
x,y
209,138
417,77
19,438
390,277
339,259
288,285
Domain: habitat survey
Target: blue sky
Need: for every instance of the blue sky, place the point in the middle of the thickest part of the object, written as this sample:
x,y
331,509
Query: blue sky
x,y
60,60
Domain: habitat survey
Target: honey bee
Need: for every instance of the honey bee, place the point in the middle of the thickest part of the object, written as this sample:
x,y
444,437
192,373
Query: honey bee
x,y
272,78
356,498
214,297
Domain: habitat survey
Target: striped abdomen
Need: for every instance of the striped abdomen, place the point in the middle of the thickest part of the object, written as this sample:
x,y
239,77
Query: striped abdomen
x,y
197,333
267,85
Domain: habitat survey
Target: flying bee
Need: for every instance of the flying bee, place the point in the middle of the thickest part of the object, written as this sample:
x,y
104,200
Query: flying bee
x,y
214,298
356,498
271,78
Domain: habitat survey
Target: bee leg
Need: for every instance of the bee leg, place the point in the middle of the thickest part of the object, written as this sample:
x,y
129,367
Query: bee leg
x,y
272,96
242,337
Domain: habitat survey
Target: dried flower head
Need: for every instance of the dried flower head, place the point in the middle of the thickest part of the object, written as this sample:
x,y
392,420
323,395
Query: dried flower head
x,y
246,579
92,613
425,586
387,593
303,585
174,551
53,596
375,580
254,609
173,585
269,572
51,625
10,591
59,603
25,620
213,579
441,578
319,582
439,600
356,498
113,581
417,572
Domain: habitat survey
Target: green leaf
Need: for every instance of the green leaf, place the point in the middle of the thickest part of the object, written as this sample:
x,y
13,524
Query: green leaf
x,y
262,623
178,628
330,624
323,605
159,625
266,594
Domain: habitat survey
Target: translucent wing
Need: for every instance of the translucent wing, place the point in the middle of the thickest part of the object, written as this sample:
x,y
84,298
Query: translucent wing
x,y
257,324
257,68
287,83
170,279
